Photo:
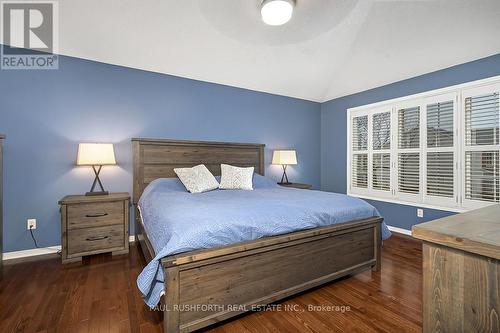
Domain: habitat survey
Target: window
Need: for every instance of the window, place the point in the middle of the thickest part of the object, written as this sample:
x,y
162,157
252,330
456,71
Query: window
x,y
381,172
409,128
408,151
360,152
481,146
360,170
481,175
382,131
439,149
440,124
440,176
381,152
409,173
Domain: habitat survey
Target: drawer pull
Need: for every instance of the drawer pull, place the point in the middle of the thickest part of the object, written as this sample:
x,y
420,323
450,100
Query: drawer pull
x,y
91,239
97,215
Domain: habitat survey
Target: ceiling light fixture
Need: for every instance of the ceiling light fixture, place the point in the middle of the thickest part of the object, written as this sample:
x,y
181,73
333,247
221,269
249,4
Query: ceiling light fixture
x,y
276,12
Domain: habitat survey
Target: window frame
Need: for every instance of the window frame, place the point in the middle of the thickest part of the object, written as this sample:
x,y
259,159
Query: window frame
x,y
457,93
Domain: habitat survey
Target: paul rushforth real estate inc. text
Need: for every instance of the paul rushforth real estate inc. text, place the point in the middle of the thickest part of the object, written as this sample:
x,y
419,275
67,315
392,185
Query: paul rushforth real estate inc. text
x,y
255,307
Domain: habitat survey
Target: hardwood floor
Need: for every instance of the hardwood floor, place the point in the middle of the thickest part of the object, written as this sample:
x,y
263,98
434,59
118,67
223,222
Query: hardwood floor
x,y
100,295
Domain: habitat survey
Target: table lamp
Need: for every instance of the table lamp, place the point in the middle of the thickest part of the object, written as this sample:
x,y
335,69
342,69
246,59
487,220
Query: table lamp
x,y
284,158
96,155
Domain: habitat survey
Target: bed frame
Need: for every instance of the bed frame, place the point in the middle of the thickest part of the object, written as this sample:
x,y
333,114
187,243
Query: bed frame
x,y
207,286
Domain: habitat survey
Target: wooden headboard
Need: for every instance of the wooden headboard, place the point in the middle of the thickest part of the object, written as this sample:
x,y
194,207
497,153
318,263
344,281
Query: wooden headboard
x,y
157,158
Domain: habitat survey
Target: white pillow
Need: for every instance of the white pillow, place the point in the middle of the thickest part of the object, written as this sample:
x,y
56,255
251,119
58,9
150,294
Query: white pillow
x,y
234,178
197,179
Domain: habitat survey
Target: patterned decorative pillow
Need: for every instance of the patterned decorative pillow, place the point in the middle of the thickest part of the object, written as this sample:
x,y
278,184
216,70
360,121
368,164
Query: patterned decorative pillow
x,y
235,178
197,179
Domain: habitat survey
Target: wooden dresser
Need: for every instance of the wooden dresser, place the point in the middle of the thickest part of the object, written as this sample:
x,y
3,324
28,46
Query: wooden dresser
x,y
461,266
94,224
2,137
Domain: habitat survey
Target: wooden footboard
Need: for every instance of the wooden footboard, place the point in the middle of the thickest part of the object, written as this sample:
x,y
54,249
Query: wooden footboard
x,y
205,287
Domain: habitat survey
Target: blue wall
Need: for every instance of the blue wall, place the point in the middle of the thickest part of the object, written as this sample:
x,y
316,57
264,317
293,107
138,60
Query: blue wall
x,y
46,113
334,127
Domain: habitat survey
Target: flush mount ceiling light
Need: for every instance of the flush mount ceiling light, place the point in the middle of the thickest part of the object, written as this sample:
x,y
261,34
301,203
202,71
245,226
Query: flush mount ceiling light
x,y
276,12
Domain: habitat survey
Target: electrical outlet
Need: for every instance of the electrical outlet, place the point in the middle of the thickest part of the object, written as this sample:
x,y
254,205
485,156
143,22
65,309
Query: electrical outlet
x,y
31,224
420,212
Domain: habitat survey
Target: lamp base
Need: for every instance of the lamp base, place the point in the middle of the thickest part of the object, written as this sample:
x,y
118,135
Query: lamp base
x,y
97,181
97,193
284,178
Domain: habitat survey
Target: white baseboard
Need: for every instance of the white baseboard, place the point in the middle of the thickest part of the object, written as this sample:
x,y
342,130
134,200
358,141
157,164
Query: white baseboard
x,y
400,230
31,252
39,252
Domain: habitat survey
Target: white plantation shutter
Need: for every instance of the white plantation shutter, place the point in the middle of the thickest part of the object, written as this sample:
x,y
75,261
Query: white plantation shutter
x,y
360,133
360,170
482,147
381,152
481,176
359,158
408,153
440,124
481,120
381,131
409,128
440,175
381,172
409,173
440,150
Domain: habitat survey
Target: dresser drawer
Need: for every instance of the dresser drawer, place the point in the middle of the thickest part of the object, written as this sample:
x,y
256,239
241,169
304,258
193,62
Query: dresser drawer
x,y
95,239
87,215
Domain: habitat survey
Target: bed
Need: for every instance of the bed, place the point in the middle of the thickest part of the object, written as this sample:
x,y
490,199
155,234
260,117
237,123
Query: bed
x,y
220,277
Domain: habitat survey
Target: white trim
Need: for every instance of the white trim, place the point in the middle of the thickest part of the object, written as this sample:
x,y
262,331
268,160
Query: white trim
x,y
399,230
40,251
430,93
31,252
412,204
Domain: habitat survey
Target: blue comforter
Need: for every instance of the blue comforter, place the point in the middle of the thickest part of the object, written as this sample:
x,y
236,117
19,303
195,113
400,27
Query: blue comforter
x,y
177,221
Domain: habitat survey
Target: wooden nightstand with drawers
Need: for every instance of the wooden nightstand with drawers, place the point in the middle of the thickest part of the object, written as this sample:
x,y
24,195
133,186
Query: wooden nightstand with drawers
x,y
94,224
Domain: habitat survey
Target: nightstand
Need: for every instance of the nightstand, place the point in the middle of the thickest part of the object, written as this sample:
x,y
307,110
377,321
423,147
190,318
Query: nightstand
x,y
94,224
298,185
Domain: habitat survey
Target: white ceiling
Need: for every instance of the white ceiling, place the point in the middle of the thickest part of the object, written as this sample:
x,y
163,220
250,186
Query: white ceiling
x,y
329,49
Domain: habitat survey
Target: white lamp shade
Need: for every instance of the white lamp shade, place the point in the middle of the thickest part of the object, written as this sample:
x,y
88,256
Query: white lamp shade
x,y
284,157
95,154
